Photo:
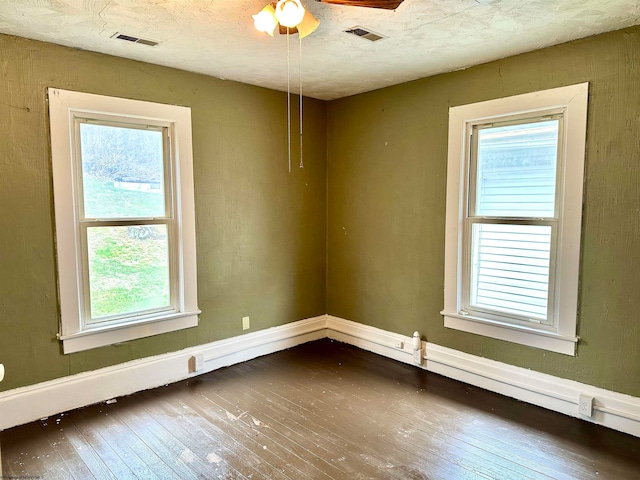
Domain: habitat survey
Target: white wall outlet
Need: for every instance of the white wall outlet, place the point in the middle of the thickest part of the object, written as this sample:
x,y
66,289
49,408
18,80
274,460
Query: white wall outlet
x,y
585,405
197,362
246,324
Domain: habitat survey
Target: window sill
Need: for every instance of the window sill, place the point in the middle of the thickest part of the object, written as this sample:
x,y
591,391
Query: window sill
x,y
531,337
108,335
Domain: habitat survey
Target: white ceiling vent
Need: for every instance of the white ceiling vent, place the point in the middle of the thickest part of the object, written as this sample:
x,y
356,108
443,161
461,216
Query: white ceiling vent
x,y
132,39
365,33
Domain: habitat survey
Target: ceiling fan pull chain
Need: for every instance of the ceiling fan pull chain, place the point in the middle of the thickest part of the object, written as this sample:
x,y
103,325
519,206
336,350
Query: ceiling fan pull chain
x,y
288,102
300,93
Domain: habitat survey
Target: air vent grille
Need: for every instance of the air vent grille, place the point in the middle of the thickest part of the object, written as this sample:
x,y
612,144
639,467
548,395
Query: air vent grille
x,y
365,33
132,39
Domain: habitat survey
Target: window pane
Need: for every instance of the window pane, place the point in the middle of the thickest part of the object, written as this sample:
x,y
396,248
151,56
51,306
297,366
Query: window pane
x,y
516,170
123,171
128,269
510,269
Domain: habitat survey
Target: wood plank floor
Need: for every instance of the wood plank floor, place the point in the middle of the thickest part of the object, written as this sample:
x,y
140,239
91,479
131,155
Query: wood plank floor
x,y
323,410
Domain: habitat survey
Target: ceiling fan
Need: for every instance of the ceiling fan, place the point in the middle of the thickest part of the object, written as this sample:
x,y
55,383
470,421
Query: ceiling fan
x,y
291,17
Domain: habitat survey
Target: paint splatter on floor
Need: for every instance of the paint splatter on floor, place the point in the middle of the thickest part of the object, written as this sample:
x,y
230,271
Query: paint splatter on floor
x,y
213,458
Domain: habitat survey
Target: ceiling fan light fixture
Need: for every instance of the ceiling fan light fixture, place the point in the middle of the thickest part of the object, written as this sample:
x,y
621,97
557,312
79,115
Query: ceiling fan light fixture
x,y
291,17
308,25
289,12
265,20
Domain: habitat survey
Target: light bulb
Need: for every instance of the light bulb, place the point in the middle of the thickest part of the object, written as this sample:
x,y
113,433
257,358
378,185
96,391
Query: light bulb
x,y
289,12
265,21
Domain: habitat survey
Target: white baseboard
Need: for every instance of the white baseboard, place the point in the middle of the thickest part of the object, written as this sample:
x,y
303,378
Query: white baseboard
x,y
26,404
22,405
611,409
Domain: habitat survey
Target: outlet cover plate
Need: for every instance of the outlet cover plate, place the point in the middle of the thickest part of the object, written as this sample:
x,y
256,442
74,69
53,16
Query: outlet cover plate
x,y
585,405
198,362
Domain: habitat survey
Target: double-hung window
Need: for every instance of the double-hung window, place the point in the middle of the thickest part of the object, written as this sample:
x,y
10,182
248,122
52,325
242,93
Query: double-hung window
x,y
125,229
514,202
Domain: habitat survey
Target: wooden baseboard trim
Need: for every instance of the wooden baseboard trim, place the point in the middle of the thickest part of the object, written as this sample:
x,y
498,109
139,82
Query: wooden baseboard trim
x,y
22,405
611,409
26,404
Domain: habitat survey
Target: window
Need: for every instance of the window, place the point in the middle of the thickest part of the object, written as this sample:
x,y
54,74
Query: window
x,y
514,205
125,224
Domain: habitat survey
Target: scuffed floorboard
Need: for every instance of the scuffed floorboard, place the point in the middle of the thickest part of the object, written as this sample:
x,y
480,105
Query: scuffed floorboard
x,y
323,410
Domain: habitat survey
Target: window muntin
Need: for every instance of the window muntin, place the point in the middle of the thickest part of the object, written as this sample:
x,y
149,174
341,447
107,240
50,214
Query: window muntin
x,y
466,307
511,219
126,218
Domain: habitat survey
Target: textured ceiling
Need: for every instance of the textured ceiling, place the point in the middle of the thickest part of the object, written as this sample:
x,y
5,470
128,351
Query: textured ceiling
x,y
216,37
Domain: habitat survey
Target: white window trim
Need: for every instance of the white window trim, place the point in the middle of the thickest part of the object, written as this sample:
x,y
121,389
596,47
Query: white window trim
x,y
64,106
561,337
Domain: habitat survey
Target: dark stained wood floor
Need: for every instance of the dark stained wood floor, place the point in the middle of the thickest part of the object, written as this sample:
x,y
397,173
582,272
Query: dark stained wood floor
x,y
318,411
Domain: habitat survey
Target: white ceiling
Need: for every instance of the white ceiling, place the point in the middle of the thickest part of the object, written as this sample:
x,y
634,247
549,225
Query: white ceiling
x,y
216,37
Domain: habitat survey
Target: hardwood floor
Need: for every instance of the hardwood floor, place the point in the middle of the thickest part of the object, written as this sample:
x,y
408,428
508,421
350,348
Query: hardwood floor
x,y
323,410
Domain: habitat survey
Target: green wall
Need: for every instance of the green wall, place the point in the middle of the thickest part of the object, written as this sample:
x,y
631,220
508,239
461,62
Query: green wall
x,y
260,230
386,205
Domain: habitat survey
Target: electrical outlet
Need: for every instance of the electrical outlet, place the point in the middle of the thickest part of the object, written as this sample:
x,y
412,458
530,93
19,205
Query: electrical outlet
x,y
246,324
585,405
197,362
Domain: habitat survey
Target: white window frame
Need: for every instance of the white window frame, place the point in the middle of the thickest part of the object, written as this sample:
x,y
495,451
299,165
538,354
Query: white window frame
x,y
65,109
571,101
